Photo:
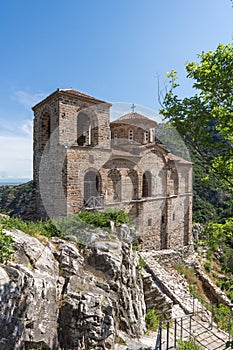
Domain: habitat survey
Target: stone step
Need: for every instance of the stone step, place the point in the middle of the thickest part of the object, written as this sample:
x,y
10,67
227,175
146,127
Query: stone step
x,y
176,288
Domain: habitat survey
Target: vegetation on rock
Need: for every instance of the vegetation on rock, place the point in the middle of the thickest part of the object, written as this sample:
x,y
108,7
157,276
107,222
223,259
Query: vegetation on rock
x,y
152,320
6,248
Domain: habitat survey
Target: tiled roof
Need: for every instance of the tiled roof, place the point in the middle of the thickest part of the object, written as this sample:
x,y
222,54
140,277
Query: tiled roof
x,y
79,94
137,119
175,158
122,152
70,92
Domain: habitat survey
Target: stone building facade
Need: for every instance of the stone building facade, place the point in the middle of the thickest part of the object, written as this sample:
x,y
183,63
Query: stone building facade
x,y
82,160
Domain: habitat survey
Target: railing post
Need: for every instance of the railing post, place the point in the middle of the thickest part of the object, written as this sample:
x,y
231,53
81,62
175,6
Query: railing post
x,y
229,328
181,328
190,325
167,335
158,345
212,316
175,334
160,338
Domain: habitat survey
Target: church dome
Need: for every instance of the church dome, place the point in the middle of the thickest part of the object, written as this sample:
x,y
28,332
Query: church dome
x,y
135,119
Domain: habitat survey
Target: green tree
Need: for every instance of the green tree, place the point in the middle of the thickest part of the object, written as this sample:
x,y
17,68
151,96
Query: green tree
x,y
205,120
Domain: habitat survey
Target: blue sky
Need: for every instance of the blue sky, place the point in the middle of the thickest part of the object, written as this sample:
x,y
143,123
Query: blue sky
x,y
110,49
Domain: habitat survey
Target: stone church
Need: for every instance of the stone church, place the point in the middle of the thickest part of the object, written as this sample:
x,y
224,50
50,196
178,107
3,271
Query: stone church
x,y
82,160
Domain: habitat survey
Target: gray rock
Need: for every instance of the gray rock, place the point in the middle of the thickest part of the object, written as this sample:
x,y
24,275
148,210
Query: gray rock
x,y
57,296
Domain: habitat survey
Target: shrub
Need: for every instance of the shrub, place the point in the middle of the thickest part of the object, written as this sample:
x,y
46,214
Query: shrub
x,y
141,263
152,320
103,218
230,294
189,345
207,266
6,247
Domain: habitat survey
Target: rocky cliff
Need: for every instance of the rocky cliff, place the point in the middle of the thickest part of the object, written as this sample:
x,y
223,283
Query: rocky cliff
x,y
56,295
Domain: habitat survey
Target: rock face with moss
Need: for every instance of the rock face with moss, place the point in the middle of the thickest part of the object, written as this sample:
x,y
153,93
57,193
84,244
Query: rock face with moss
x,y
56,295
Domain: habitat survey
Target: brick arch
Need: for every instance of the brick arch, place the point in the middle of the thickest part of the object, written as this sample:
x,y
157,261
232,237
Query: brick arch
x,y
87,128
114,185
133,175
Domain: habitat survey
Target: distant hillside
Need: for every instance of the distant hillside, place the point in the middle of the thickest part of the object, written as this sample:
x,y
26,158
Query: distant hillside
x,y
17,200
14,182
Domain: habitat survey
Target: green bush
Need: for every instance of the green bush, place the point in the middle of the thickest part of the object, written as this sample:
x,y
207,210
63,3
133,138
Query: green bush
x,y
152,320
230,294
207,266
188,345
103,218
6,247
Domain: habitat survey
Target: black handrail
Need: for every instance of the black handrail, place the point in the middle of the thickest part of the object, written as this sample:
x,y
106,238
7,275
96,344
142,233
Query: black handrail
x,y
158,344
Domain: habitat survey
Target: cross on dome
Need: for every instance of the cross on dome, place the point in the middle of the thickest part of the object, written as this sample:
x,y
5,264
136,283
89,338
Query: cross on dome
x,y
133,107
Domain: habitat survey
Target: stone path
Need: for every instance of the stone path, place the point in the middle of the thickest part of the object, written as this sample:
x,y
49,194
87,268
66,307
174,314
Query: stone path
x,y
176,288
174,285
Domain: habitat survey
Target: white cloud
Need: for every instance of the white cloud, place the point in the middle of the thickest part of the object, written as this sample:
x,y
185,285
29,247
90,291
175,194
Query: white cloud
x,y
28,100
15,157
27,127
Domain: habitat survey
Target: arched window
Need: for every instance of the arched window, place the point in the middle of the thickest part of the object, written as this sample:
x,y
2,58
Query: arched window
x,y
92,185
146,184
133,175
83,123
130,135
173,183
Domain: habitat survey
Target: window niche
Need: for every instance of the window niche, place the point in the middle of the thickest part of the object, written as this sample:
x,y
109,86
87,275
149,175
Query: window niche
x,y
146,185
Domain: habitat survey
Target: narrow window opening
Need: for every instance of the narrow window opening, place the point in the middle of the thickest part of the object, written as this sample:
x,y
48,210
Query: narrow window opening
x,y
89,135
115,135
146,184
150,222
130,135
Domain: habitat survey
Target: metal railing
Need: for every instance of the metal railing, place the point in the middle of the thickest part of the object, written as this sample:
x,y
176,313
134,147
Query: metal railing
x,y
206,318
219,317
170,331
94,202
186,328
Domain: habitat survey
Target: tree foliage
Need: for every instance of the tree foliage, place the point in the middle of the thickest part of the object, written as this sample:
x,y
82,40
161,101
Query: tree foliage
x,y
205,119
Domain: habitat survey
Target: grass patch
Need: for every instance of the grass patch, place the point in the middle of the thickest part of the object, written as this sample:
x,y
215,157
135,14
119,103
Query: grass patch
x,y
6,247
152,320
44,228
189,345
